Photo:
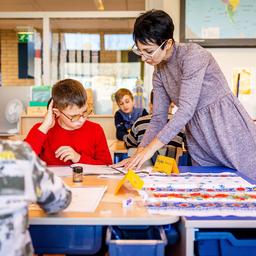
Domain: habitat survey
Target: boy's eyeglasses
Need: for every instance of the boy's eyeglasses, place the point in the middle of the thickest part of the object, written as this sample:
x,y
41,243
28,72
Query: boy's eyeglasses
x,y
146,55
75,118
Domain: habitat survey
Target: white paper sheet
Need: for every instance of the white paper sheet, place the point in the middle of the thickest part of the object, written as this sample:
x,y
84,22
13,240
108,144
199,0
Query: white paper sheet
x,y
61,171
85,199
143,172
103,170
96,169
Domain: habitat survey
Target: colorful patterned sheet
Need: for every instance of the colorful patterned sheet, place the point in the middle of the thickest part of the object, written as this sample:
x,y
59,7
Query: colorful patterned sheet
x,y
200,194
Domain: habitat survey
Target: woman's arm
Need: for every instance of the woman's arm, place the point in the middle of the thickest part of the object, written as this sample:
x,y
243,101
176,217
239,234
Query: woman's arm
x,y
160,110
193,66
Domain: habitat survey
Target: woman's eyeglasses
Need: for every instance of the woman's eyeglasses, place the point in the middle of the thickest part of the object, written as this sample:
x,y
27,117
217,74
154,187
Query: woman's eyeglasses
x,y
146,55
75,118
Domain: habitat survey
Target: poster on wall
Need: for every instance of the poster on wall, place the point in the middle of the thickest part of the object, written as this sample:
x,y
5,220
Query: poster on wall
x,y
242,80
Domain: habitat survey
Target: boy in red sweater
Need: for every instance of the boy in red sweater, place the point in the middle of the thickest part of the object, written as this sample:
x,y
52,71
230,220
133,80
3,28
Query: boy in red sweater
x,y
66,136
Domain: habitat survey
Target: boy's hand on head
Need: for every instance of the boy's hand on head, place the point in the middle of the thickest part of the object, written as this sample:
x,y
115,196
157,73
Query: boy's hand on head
x,y
49,120
66,153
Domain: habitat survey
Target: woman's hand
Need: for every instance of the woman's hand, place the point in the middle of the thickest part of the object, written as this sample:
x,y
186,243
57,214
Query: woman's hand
x,y
139,158
49,120
121,163
66,153
124,162
141,155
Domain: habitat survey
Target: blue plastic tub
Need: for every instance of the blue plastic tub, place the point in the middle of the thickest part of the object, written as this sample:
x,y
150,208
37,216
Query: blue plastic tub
x,y
118,157
149,241
66,239
221,243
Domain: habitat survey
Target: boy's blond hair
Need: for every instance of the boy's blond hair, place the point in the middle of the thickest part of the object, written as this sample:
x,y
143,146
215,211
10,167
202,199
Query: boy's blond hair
x,y
121,93
68,92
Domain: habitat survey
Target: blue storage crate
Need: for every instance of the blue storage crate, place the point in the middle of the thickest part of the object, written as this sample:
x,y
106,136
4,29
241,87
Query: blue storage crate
x,y
118,157
148,241
66,239
231,243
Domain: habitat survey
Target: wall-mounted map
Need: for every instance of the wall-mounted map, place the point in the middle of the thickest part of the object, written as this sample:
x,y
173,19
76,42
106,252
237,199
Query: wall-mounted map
x,y
219,22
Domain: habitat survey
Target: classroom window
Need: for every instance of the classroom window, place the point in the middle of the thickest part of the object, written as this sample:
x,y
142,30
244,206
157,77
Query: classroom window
x,y
97,53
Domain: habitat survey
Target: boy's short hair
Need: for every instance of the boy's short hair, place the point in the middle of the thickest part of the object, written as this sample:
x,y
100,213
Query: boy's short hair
x,y
121,93
68,92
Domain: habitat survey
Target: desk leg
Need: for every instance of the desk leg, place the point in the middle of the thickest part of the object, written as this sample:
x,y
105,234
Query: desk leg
x,y
190,239
185,246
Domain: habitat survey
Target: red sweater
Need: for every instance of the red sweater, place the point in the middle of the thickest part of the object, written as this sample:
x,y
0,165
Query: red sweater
x,y
89,141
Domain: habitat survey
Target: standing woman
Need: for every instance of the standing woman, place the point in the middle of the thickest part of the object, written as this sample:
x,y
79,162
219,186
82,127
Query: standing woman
x,y
219,131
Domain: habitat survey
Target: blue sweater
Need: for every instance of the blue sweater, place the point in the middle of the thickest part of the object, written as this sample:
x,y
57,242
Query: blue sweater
x,y
124,122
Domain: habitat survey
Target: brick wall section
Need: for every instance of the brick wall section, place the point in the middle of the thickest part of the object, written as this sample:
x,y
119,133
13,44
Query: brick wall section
x,y
9,59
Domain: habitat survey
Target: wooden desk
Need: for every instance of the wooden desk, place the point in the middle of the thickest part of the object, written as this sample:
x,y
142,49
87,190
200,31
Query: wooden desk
x,y
49,231
118,146
13,137
110,142
109,211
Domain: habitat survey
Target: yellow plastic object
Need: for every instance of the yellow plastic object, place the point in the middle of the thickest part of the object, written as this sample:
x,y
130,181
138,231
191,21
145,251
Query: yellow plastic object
x,y
166,165
134,180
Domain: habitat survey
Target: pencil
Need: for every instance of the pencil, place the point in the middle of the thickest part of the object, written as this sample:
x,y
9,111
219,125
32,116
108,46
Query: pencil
x,y
237,85
116,169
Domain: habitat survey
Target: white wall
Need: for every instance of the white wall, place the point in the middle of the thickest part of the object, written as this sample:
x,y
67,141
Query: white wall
x,y
227,58
238,57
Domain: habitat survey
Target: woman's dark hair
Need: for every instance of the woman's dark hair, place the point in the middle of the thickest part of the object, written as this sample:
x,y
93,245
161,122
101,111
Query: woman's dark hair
x,y
154,26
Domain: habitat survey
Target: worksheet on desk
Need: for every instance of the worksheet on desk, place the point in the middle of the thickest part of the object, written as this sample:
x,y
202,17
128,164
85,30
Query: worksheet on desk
x,y
63,171
85,199
96,169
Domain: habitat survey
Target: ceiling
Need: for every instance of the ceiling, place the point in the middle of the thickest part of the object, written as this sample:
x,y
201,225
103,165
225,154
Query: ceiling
x,y
96,24
70,5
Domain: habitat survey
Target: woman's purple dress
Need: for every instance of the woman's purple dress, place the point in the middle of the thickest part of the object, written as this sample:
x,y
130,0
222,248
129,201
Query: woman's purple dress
x,y
219,131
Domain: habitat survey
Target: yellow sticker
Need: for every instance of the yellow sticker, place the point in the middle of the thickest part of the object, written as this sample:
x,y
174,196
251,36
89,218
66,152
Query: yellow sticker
x,y
133,178
7,155
166,165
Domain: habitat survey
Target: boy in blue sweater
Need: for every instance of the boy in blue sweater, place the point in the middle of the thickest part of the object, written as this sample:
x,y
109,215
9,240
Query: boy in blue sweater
x,y
127,113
